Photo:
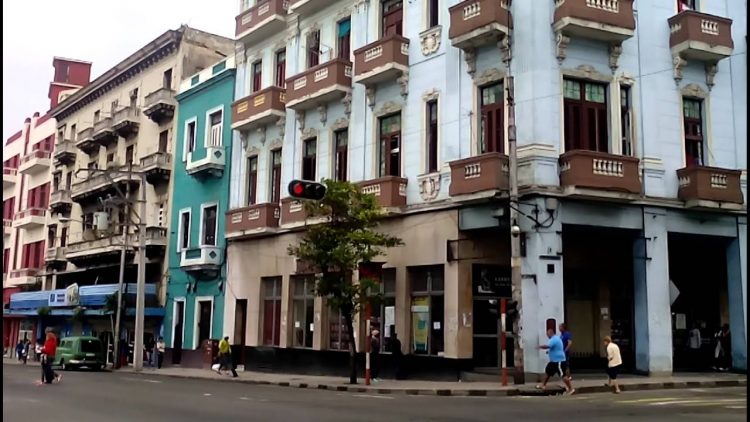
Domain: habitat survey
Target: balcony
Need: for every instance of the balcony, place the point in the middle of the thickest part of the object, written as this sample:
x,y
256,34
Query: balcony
x,y
30,218
292,212
104,134
710,187
475,23
306,8
253,220
64,153
125,121
699,36
60,202
210,166
9,177
321,84
201,260
610,21
98,185
384,60
159,105
259,108
23,276
37,161
157,167
86,141
390,191
7,226
155,241
584,170
54,255
263,20
95,248
482,175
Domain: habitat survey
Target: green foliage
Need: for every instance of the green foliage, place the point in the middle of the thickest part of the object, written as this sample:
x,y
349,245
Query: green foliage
x,y
110,304
78,314
43,311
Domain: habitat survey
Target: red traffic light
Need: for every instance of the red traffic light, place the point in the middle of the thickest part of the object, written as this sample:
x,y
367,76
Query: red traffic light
x,y
307,190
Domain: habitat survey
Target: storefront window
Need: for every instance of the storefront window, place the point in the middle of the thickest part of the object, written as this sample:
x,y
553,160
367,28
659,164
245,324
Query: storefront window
x,y
338,336
427,310
303,308
271,310
384,315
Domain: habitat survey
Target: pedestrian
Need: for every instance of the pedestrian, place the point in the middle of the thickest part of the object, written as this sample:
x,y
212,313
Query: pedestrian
x,y
160,347
225,357
397,355
19,350
723,350
48,358
26,349
567,339
614,363
557,364
375,355
694,346
38,350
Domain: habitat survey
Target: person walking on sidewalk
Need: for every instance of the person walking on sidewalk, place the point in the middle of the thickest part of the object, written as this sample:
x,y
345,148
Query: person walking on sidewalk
x,y
614,362
48,357
19,350
557,364
567,339
225,357
375,355
160,347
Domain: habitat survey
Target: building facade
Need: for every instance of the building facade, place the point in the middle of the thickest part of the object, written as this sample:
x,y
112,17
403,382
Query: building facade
x,y
199,201
28,156
632,172
120,132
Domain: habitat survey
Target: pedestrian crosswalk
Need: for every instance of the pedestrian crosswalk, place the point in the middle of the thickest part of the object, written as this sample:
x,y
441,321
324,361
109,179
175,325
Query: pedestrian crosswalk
x,y
729,403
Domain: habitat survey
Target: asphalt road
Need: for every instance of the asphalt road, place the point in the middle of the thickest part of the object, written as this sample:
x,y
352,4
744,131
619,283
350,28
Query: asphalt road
x,y
104,396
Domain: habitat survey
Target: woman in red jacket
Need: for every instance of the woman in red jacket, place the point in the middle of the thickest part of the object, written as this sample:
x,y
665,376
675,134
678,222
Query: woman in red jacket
x,y
48,356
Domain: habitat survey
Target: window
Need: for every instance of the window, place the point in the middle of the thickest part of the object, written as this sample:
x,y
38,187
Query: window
x,y
309,149
97,114
11,162
110,159
384,316
68,180
113,106
427,309
33,255
281,68
189,138
209,226
341,153
214,134
51,234
167,80
585,116
303,305
626,121
432,136
687,5
73,133
276,176
64,237
38,197
271,310
133,97
160,215
184,230
56,182
257,76
343,39
129,154
94,164
392,13
433,11
390,145
252,179
163,140
9,208
203,320
313,48
492,129
6,261
692,114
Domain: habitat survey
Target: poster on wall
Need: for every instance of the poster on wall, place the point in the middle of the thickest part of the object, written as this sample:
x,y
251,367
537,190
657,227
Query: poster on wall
x,y
491,280
420,317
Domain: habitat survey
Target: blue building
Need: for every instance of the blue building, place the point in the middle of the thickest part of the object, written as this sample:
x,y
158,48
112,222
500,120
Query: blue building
x,y
631,130
200,192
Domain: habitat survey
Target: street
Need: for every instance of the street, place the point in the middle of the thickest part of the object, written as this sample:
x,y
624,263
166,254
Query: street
x,y
104,396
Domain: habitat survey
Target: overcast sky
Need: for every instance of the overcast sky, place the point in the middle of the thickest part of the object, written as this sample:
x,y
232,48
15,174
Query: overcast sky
x,y
102,32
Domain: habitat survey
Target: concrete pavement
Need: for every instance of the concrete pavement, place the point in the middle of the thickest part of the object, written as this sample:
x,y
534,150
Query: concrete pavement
x,y
122,396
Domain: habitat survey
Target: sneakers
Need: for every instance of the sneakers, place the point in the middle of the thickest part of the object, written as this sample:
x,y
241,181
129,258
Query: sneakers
x,y
58,378
570,392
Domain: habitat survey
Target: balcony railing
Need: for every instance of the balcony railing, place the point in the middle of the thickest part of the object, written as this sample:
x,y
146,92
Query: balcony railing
x,y
201,258
157,167
126,121
60,201
255,219
10,175
260,21
599,171
482,173
605,20
64,153
30,218
159,105
701,184
700,36
36,161
86,142
259,108
321,84
99,183
24,275
292,211
383,60
479,22
212,165
104,134
390,191
7,226
55,253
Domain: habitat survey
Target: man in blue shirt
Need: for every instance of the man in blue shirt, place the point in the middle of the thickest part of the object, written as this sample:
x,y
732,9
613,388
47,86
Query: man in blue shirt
x,y
567,340
557,365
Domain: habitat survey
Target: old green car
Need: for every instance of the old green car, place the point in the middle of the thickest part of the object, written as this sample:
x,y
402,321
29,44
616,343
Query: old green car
x,y
76,352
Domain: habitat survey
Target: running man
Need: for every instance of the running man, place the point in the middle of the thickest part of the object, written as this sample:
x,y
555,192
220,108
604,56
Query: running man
x,y
557,364
567,339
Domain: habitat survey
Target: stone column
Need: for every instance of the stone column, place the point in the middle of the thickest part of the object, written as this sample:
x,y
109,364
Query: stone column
x,y
286,330
737,292
458,302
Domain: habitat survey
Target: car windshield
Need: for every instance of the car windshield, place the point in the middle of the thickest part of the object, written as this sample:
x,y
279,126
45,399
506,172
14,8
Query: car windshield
x,y
90,346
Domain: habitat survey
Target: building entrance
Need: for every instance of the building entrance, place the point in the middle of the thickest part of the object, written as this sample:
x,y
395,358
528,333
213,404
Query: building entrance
x,y
490,283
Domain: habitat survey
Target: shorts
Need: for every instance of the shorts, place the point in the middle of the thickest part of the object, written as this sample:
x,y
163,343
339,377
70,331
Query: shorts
x,y
612,372
556,368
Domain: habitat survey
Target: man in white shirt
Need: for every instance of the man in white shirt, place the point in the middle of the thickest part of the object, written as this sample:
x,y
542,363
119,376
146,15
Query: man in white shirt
x,y
694,345
614,362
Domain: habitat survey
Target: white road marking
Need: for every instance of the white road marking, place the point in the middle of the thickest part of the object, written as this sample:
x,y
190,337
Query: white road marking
x,y
245,398
736,407
206,394
373,396
703,402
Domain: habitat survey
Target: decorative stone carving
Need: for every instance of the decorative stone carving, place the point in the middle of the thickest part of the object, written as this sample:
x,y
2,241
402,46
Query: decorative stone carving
x,y
403,81
239,53
615,50
340,123
323,112
370,94
505,50
429,186
252,151
562,42
347,102
309,133
470,56
359,6
711,70
430,95
490,75
276,143
262,134
389,107
243,140
429,40
343,13
300,116
281,124
678,63
694,90
627,79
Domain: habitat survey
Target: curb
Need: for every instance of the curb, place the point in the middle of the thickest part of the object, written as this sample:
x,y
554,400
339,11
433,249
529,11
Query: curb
x,y
472,392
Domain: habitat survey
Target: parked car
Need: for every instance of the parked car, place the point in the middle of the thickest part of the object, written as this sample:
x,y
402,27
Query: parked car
x,y
76,352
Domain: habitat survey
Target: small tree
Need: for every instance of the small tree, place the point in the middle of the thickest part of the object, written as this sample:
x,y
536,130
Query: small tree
x,y
338,246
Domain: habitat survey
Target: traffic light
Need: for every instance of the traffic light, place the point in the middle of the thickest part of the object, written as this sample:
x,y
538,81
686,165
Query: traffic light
x,y
307,190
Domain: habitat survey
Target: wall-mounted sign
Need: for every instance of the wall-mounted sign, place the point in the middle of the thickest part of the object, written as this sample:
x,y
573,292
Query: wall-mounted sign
x,y
72,298
491,280
56,299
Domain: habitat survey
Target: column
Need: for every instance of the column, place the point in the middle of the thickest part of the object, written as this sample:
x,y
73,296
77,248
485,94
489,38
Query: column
x,y
737,291
653,319
457,327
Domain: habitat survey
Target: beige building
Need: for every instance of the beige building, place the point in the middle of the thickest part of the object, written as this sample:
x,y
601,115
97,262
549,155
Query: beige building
x,y
124,121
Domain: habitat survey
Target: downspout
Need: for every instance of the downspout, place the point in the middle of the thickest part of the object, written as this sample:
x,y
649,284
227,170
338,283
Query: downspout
x,y
364,102
642,140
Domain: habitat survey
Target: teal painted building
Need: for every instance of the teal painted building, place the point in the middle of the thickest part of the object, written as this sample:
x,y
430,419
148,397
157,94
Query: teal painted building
x,y
199,200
